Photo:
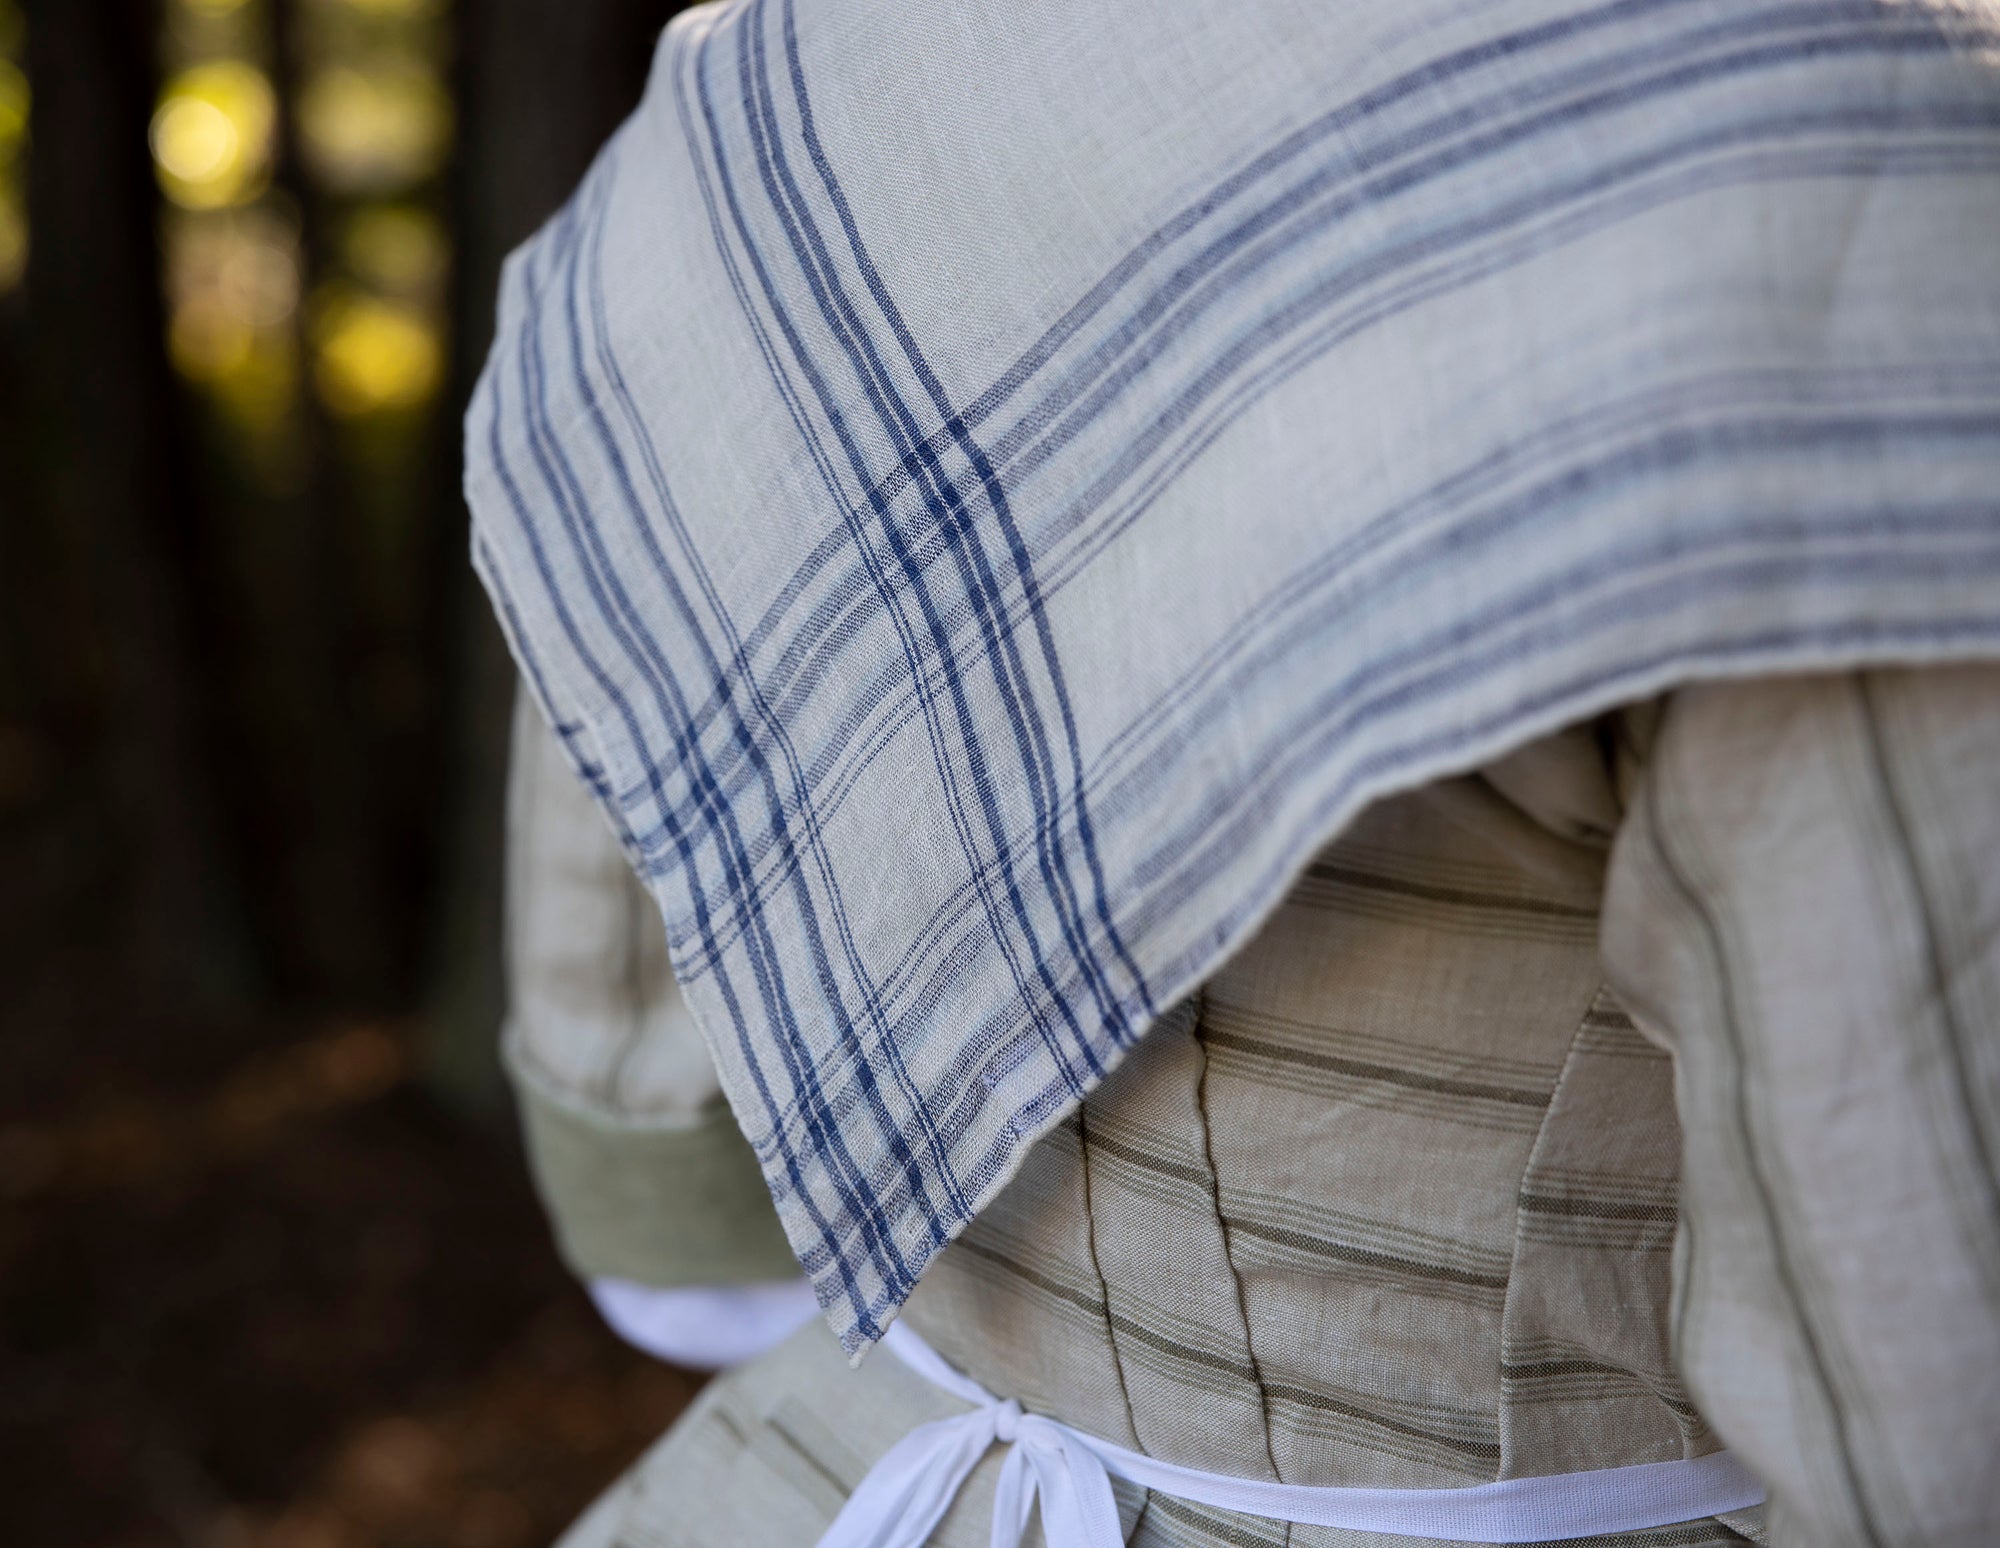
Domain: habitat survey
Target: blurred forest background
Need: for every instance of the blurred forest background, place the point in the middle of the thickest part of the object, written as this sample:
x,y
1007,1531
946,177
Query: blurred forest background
x,y
270,1270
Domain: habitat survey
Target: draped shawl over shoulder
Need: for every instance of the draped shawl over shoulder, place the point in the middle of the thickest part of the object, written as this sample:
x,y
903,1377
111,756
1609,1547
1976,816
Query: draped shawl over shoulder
x,y
984,491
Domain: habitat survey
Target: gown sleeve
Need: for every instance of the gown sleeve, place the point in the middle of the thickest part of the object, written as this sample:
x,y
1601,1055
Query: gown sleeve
x,y
645,1175
1804,906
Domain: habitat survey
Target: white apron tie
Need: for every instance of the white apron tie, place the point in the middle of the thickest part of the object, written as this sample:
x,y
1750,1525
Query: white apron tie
x,y
907,1492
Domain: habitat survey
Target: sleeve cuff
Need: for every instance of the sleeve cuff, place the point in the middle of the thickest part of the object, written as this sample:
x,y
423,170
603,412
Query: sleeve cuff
x,y
664,1206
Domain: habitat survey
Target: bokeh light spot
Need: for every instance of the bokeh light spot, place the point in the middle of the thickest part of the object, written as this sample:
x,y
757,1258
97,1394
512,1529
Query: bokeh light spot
x,y
375,355
391,7
13,108
233,285
13,141
381,128
195,141
212,134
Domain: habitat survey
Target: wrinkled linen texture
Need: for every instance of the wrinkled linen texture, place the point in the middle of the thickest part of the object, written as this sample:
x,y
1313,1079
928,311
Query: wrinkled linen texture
x,y
1410,1196
984,496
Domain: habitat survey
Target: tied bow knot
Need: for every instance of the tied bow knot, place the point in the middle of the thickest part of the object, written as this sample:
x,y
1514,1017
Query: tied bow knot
x,y
907,1493
909,1490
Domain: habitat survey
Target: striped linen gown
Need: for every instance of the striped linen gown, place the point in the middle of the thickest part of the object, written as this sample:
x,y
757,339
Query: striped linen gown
x,y
1393,1200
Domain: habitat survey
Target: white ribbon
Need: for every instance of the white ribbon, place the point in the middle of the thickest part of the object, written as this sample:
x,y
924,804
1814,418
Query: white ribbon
x,y
907,1492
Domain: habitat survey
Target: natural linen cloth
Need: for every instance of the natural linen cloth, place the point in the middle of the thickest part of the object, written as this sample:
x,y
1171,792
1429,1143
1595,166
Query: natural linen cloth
x,y
984,494
1066,1475
1399,1200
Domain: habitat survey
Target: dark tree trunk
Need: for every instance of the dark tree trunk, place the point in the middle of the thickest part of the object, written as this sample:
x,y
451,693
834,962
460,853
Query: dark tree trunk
x,y
133,860
327,778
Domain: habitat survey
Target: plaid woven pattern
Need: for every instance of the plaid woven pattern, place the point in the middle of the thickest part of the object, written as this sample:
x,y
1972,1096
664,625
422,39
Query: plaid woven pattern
x,y
983,498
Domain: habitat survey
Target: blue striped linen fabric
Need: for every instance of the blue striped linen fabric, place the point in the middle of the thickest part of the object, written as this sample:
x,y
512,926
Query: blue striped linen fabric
x,y
983,493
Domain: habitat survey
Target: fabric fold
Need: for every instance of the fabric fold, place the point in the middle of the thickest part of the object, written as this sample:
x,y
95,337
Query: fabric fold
x,y
980,504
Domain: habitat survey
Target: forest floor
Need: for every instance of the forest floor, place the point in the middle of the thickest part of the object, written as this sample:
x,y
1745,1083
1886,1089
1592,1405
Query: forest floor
x,y
259,1290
